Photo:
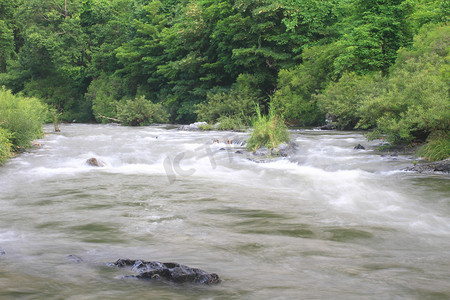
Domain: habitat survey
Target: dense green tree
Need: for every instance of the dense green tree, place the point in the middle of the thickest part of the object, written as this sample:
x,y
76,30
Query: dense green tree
x,y
207,58
411,104
372,33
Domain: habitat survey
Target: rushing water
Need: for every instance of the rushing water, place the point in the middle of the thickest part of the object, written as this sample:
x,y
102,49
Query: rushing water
x,y
330,223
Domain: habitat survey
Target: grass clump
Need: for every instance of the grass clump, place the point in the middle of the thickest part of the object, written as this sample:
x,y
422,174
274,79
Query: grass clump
x,y
437,148
268,131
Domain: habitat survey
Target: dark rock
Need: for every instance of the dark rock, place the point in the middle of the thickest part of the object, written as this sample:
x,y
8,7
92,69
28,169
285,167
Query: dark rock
x,y
93,162
359,147
239,152
327,127
75,258
2,252
442,166
173,272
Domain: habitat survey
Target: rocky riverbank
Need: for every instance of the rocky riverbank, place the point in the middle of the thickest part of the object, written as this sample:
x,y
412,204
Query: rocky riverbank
x,y
442,166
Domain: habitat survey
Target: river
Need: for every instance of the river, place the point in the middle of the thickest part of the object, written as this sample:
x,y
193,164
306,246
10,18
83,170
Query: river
x,y
329,223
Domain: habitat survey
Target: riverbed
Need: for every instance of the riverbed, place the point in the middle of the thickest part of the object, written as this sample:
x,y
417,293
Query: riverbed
x,y
330,222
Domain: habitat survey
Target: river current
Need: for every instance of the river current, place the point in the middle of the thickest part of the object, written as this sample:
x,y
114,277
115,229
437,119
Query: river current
x,y
330,222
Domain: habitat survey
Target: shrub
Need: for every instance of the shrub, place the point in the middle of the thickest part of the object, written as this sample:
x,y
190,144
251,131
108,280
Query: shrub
x,y
239,101
230,123
141,112
296,86
104,92
206,127
268,131
61,93
22,117
415,102
409,105
343,99
5,145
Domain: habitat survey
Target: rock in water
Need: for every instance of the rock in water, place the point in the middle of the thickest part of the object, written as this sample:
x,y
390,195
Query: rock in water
x,y
75,258
359,147
93,162
442,166
193,127
173,272
285,149
2,252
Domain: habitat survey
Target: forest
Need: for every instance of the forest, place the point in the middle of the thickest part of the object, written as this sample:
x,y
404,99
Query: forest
x,y
378,65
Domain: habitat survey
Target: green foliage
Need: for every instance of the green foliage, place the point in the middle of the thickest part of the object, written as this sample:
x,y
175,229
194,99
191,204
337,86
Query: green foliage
x,y
415,102
409,105
268,131
293,97
372,33
22,117
6,45
230,123
5,145
61,94
202,59
206,127
140,111
104,92
239,102
437,148
429,11
343,99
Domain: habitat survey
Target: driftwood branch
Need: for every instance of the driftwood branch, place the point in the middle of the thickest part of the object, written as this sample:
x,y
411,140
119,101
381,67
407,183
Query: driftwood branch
x,y
111,119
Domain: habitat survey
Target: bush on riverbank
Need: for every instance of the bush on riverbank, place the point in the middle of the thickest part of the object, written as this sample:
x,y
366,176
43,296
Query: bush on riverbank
x,y
22,117
236,103
268,131
5,145
411,105
141,112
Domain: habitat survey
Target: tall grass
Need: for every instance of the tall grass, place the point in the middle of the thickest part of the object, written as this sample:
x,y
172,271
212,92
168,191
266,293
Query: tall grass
x,y
437,148
268,131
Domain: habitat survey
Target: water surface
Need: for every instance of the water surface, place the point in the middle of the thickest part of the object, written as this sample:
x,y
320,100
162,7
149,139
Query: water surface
x,y
329,223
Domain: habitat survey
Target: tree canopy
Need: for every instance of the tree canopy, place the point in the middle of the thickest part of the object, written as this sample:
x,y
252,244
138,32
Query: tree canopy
x,y
203,59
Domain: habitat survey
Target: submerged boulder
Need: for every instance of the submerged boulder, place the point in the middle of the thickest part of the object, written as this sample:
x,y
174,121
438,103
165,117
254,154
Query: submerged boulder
x,y
172,272
93,162
2,252
359,147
